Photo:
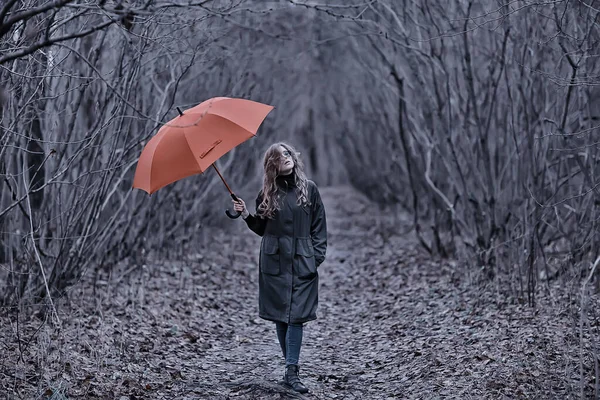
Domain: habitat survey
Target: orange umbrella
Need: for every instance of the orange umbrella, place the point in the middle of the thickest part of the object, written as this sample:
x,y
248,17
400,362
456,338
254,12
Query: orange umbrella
x,y
192,142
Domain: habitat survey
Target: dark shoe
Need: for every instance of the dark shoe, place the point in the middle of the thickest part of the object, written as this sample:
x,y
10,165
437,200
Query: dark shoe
x,y
292,380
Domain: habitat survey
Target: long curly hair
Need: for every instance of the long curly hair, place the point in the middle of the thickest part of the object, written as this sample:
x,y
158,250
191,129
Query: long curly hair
x,y
270,192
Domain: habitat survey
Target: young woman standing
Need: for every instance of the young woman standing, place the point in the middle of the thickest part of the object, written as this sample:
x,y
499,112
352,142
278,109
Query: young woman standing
x,y
290,217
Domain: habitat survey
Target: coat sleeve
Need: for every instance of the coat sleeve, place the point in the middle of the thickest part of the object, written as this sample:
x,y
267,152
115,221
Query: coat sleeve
x,y
318,228
256,223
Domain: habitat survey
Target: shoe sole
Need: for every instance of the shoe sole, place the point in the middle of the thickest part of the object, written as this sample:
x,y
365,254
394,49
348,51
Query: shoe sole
x,y
287,385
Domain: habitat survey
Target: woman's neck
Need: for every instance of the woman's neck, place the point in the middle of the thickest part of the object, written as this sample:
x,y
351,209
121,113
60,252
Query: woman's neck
x,y
289,179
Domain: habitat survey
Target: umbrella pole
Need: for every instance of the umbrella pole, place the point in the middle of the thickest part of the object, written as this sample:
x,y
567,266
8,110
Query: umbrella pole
x,y
233,196
223,179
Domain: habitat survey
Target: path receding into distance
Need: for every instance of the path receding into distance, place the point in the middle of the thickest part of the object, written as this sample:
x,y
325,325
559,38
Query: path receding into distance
x,y
393,323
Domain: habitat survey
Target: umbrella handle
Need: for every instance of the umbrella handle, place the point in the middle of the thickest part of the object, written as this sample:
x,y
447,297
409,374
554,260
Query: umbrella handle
x,y
237,213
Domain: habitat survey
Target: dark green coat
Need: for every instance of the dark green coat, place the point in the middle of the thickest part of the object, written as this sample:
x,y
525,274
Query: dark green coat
x,y
292,248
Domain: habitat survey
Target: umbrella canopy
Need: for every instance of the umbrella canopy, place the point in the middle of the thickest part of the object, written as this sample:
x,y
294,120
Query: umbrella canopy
x,y
190,143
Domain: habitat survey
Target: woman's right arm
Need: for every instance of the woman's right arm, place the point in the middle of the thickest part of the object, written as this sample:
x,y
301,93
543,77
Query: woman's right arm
x,y
255,222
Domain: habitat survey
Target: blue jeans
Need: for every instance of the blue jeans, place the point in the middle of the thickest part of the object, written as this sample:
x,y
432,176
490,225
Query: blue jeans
x,y
290,340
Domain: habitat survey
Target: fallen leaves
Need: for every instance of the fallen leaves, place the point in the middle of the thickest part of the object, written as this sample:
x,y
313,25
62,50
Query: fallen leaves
x,y
393,323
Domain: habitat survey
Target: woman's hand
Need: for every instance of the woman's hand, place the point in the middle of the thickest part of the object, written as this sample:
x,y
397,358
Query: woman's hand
x,y
240,206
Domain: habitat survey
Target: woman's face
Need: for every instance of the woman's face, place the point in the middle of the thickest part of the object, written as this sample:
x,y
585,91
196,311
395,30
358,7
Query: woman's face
x,y
286,163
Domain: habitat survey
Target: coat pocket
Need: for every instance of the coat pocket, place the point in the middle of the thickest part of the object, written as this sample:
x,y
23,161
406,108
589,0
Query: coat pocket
x,y
304,247
306,260
269,260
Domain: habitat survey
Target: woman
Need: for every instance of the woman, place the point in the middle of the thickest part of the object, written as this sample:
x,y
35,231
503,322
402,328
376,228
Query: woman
x,y
291,219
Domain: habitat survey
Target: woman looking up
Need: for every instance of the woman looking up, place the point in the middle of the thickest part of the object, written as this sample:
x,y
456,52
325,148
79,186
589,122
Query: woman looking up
x,y
290,217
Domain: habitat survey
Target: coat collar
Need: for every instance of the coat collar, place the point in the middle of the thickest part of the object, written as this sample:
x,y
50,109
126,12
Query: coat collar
x,y
286,181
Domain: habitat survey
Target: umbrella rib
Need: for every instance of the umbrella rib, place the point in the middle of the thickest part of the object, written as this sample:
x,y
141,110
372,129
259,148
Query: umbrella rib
x,y
158,140
235,123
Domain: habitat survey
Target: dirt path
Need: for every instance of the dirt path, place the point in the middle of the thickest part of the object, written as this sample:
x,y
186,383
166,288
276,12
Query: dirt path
x,y
393,323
